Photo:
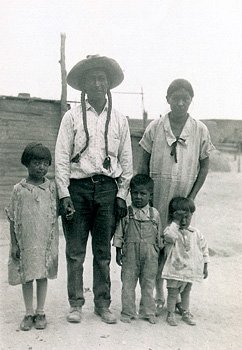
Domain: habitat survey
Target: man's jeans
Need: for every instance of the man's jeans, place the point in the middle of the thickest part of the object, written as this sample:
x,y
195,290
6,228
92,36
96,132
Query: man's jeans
x,y
94,211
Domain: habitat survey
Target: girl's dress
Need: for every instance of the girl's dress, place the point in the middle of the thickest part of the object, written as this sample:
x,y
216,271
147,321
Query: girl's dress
x,y
187,251
174,175
33,210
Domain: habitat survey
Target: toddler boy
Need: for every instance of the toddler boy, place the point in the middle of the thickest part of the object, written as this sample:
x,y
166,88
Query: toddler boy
x,y
138,241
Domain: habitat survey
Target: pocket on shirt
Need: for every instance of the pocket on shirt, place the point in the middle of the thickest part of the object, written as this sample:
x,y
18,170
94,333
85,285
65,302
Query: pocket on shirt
x,y
113,147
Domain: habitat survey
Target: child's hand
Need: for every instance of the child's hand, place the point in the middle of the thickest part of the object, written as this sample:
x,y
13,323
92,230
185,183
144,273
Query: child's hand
x,y
177,216
119,256
15,252
205,271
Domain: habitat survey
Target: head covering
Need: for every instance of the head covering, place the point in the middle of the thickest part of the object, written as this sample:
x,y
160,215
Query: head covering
x,y
35,150
108,65
180,84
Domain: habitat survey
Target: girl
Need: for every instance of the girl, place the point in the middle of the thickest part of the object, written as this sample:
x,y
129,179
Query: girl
x,y
187,257
32,213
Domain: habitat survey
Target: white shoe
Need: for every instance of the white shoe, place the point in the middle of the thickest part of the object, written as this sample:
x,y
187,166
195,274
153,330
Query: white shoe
x,y
74,315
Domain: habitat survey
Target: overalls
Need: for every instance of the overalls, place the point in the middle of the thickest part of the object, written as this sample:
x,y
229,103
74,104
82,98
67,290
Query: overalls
x,y
140,261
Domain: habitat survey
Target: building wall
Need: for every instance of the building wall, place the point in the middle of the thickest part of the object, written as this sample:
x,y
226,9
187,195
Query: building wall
x,y
23,121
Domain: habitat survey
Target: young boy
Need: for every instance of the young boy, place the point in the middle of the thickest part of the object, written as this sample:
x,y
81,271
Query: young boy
x,y
138,242
187,258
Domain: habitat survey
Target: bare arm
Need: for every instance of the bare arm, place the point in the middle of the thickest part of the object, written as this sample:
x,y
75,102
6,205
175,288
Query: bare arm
x,y
204,166
144,166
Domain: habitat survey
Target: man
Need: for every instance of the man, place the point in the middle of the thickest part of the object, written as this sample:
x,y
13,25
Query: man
x,y
93,169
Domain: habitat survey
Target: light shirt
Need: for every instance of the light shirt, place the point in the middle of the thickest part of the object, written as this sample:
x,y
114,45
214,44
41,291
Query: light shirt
x,y
187,251
72,138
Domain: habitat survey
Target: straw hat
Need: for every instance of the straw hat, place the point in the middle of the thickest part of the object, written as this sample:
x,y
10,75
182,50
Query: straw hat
x,y
109,65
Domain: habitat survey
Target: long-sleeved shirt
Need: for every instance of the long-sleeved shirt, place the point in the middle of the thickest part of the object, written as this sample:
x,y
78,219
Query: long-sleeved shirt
x,y
72,138
187,251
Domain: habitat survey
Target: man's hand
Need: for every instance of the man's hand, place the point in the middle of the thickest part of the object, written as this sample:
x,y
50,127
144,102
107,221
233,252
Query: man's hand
x,y
120,208
119,256
67,208
205,270
15,252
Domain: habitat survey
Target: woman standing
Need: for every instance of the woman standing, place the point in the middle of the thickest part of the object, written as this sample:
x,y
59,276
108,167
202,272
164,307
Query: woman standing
x,y
176,151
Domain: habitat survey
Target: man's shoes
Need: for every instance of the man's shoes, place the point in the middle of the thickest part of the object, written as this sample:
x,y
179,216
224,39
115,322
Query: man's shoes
x,y
105,314
27,323
188,318
40,322
171,319
74,315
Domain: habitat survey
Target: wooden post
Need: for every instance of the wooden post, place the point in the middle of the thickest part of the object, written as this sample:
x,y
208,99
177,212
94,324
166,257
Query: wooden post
x,y
145,114
63,76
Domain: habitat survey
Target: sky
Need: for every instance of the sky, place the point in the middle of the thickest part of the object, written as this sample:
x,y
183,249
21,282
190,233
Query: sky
x,y
154,41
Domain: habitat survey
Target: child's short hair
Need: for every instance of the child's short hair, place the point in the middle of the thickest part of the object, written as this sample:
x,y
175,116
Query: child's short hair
x,y
36,151
142,179
180,84
181,203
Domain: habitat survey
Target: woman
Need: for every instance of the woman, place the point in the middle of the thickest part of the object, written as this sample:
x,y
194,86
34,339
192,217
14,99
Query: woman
x,y
176,151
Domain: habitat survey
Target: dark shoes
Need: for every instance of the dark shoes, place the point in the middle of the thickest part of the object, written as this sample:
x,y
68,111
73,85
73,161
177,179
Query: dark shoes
x,y
38,321
74,315
105,314
27,323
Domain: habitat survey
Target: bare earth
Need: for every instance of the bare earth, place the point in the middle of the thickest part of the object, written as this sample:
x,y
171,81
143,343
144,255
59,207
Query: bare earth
x,y
216,303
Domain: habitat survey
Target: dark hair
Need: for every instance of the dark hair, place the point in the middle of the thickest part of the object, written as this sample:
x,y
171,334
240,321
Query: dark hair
x,y
142,179
181,203
36,151
180,84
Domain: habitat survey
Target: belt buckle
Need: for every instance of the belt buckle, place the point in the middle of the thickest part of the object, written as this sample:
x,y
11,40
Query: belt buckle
x,y
92,178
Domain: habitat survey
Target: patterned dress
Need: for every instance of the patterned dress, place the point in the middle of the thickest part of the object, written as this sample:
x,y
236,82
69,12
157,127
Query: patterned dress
x,y
174,175
33,210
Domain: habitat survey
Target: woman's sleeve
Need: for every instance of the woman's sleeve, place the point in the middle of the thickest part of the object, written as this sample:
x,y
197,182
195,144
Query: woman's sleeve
x,y
148,138
206,144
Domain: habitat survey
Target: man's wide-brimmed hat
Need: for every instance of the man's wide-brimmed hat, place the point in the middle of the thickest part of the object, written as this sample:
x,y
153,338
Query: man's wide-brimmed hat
x,y
75,78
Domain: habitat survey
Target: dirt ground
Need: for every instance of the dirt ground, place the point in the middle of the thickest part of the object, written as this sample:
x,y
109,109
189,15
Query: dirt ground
x,y
216,303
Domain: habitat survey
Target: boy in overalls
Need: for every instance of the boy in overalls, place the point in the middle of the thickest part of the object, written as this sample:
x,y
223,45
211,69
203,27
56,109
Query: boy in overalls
x,y
138,241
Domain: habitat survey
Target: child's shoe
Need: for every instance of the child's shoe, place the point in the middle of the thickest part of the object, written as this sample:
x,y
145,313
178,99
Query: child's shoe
x,y
125,318
171,319
188,318
159,306
152,319
27,323
40,321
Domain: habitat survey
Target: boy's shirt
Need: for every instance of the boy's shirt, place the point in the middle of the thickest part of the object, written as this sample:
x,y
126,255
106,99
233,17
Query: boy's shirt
x,y
138,214
186,251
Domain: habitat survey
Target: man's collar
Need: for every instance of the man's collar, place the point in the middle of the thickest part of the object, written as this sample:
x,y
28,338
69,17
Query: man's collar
x,y
88,106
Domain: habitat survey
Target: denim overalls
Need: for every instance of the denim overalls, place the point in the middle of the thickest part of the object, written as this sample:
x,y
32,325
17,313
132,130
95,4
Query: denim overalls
x,y
140,262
